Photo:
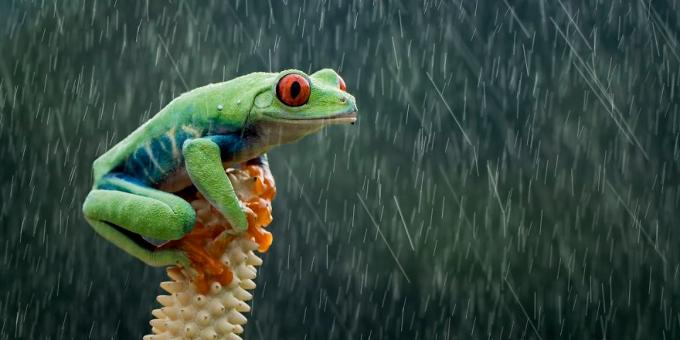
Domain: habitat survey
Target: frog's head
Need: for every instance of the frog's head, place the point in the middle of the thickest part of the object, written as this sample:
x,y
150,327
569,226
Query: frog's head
x,y
295,104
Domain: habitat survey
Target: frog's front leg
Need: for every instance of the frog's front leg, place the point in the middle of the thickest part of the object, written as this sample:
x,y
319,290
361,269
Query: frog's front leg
x,y
121,210
204,165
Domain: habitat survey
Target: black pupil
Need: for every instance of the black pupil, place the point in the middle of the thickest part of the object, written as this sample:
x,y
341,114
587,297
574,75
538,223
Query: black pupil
x,y
295,89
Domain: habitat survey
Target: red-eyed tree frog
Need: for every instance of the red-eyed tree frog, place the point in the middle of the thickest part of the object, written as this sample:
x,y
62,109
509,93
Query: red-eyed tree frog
x,y
191,141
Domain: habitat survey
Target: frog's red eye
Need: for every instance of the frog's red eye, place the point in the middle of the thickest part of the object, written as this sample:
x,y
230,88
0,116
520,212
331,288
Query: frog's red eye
x,y
293,90
342,85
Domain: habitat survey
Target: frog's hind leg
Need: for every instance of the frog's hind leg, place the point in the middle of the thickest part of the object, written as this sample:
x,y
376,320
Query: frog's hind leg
x,y
137,247
122,210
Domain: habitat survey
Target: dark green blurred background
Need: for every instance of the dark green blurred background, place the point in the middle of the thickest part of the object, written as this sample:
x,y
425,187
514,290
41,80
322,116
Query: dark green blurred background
x,y
540,188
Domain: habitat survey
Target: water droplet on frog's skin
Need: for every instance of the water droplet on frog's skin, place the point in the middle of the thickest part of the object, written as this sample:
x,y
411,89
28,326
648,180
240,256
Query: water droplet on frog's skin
x,y
238,102
220,107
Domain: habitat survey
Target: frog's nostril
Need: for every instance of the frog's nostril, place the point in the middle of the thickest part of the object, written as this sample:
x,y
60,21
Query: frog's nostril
x,y
343,99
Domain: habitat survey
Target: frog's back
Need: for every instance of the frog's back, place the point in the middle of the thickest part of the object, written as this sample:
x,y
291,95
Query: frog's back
x,y
153,148
153,151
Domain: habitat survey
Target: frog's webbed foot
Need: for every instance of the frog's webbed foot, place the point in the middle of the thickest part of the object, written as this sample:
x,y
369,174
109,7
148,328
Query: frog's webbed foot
x,y
258,169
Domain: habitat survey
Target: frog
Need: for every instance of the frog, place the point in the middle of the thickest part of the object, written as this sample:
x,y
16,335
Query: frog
x,y
191,141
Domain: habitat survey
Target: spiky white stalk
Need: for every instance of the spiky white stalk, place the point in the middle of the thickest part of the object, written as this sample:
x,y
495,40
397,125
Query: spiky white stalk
x,y
187,314
217,313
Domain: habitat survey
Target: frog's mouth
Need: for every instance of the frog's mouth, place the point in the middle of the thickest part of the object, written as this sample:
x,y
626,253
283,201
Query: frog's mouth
x,y
349,117
277,130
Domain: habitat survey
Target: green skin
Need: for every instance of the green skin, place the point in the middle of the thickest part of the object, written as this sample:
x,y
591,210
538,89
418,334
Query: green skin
x,y
247,111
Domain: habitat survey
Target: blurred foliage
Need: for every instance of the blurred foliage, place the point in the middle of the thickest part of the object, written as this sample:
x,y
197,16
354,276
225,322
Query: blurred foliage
x,y
529,148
